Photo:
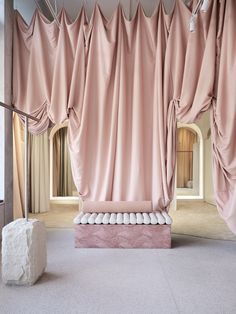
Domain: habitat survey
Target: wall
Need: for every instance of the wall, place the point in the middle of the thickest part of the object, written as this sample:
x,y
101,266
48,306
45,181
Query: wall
x,y
204,125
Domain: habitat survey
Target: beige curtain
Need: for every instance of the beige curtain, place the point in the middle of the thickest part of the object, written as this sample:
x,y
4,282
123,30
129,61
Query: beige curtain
x,y
18,167
39,172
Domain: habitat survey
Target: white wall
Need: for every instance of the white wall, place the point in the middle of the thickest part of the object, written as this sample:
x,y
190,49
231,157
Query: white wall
x,y
204,125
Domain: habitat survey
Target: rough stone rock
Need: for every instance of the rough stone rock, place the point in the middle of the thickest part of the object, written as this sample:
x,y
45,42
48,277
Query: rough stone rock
x,y
24,253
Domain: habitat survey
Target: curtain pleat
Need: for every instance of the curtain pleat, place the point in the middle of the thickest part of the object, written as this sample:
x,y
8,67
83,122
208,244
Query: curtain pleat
x,y
18,167
223,116
39,172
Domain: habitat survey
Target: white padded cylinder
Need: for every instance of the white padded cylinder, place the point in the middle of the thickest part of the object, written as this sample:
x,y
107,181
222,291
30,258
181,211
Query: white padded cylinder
x,y
119,218
146,219
77,219
92,218
160,218
126,218
112,220
85,218
106,219
99,219
139,218
154,220
167,217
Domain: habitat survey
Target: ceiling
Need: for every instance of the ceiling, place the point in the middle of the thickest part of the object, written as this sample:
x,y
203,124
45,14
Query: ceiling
x,y
27,7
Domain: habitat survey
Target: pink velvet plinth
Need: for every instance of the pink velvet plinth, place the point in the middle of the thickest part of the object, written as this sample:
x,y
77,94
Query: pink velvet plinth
x,y
122,236
117,207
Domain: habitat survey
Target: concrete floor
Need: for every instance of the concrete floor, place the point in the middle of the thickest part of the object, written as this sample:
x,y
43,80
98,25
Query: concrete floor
x,y
197,276
192,218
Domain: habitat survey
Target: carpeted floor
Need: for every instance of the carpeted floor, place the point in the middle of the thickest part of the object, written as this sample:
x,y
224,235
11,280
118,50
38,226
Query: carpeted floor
x,y
192,218
197,276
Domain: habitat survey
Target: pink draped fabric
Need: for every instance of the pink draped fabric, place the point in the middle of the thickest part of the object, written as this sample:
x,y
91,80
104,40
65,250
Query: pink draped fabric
x,y
123,85
223,116
117,207
48,68
119,149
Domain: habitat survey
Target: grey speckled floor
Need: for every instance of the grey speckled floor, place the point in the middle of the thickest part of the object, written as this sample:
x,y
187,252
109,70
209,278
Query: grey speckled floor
x,y
197,276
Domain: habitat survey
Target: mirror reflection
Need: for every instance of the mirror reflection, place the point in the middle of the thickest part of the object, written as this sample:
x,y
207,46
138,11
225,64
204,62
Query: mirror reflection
x,y
63,184
187,162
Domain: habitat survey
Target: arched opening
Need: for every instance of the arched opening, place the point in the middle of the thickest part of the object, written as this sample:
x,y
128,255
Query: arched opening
x,y
189,169
62,187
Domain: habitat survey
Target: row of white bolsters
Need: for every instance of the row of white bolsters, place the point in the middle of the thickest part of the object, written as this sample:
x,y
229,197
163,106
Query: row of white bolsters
x,y
153,218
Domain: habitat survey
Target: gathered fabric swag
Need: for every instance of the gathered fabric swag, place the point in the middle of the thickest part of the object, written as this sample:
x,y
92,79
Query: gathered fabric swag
x,y
123,85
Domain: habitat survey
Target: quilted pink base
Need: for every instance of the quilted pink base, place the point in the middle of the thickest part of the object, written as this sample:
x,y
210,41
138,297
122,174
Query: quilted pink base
x,y
123,236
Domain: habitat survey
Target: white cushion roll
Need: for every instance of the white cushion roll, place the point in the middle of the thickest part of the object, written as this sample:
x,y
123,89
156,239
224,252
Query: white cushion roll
x,y
106,218
139,218
154,220
77,219
92,218
99,219
146,219
112,220
133,219
160,218
85,218
119,218
168,219
126,219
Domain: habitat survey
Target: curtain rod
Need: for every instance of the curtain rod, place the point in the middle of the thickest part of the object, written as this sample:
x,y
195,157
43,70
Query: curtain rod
x,y
18,111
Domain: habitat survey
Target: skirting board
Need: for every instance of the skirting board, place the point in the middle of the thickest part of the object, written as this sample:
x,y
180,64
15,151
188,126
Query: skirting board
x,y
122,236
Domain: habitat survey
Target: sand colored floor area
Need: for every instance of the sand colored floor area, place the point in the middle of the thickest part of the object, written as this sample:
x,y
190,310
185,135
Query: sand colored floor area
x,y
191,218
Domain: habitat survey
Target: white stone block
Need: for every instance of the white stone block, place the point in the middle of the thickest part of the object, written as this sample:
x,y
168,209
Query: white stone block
x,y
24,252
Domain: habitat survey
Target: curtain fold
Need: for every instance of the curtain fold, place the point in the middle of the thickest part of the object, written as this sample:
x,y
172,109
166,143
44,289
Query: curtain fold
x,y
123,123
123,85
38,169
18,167
39,172
223,116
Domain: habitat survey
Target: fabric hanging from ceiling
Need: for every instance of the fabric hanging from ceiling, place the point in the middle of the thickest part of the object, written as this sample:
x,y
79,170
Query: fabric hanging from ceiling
x,y
123,85
120,149
223,116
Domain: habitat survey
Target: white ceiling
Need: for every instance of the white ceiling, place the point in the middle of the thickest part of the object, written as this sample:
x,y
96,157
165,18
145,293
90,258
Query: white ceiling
x,y
27,7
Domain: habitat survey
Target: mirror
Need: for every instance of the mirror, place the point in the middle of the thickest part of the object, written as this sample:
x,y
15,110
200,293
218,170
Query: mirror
x,y
188,152
62,183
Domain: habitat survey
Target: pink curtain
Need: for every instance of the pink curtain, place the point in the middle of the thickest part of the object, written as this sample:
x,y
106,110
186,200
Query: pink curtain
x,y
223,116
48,68
119,148
123,85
